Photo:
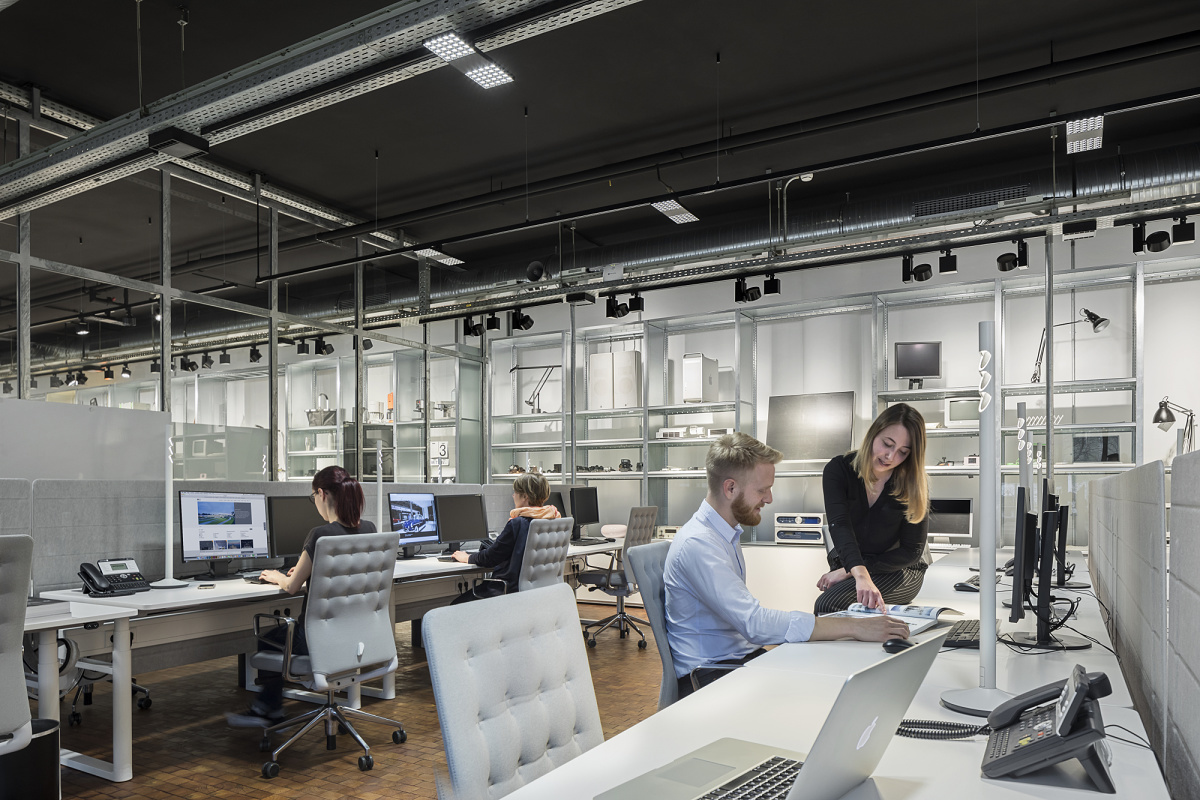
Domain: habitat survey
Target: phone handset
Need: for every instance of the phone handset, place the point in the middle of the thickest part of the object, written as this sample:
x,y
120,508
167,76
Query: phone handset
x,y
94,582
1097,685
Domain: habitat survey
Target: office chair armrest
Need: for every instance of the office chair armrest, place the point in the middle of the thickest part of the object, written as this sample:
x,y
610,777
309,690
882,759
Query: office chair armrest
x,y
279,619
696,681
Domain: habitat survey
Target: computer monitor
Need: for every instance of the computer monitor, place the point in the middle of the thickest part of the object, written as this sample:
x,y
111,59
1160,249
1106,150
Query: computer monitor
x,y
218,527
291,520
1046,636
414,517
951,520
585,508
917,361
556,500
1024,556
460,517
962,412
1064,513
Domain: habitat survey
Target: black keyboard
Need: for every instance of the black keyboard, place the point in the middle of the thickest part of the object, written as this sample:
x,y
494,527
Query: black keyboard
x,y
590,540
445,558
770,780
964,633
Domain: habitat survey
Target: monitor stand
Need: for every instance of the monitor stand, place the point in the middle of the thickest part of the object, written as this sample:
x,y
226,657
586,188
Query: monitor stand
x,y
218,570
451,547
916,383
409,551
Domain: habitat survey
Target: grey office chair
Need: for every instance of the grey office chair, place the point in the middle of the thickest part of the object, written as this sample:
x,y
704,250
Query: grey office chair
x,y
513,689
617,580
350,638
545,553
16,561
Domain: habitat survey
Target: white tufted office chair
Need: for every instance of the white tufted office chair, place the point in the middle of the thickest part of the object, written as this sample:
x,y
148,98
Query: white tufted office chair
x,y
617,580
545,553
16,560
350,637
647,564
513,689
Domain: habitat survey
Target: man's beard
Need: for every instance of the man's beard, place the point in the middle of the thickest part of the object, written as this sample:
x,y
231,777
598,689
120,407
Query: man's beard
x,y
743,513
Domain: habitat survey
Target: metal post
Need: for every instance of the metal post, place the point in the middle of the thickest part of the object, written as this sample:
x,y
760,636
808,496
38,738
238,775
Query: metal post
x,y
1024,456
569,386
24,280
273,344
1049,362
360,368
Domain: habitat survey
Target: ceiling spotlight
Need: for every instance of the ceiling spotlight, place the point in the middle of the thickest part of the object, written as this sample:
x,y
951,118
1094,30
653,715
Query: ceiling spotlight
x,y
255,355
154,367
922,272
675,212
1183,232
366,343
613,309
81,378
158,316
1085,134
323,348
535,271
1158,241
743,293
224,359
187,365
471,327
72,380
1139,238
772,285
301,348
81,327
906,269
55,382
521,321
449,46
493,322
108,374
806,177
1007,262
489,76
948,263
206,361
637,302
125,372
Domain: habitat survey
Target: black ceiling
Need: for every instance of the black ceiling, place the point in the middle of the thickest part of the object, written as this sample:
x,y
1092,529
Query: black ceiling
x,y
638,86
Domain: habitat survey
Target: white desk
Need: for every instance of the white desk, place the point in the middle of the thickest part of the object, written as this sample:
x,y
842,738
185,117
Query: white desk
x,y
71,615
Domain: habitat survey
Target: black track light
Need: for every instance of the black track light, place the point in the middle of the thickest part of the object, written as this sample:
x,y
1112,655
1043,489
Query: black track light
x,y
71,381
637,302
1007,262
187,365
471,327
324,348
206,361
1139,238
125,372
743,293
493,322
301,348
922,272
108,374
1183,232
906,269
81,378
613,309
154,367
367,344
7,387
55,382
772,285
81,327
1158,241
255,355
521,321
948,263
224,358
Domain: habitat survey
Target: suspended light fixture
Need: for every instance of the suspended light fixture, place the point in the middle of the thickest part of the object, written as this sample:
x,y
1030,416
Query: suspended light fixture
x,y
255,355
125,372
224,357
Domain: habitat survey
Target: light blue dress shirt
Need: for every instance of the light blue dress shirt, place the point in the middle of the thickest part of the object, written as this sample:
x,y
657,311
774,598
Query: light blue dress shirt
x,y
711,615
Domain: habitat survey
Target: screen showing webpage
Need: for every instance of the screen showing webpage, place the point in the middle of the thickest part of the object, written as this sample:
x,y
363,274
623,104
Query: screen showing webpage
x,y
217,525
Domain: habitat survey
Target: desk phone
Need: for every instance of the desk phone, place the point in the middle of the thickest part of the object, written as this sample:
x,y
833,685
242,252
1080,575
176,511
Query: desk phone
x,y
112,577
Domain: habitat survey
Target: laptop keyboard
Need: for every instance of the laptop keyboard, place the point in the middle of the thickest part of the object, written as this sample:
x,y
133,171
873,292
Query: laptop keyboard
x,y
770,780
964,633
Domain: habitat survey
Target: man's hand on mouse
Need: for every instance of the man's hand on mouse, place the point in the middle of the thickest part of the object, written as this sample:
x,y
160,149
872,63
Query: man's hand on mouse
x,y
880,629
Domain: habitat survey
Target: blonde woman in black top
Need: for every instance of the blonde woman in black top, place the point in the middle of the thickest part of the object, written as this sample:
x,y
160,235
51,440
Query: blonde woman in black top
x,y
876,504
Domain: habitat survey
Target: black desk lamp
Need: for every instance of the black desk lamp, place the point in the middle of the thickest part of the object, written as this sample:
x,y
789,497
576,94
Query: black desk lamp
x,y
1164,419
1098,322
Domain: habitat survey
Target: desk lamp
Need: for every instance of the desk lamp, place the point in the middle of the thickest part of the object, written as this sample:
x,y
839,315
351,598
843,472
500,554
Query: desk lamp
x,y
1098,322
1164,419
535,400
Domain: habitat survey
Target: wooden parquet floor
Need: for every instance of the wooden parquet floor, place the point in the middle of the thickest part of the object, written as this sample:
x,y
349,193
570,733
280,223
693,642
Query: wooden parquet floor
x,y
182,748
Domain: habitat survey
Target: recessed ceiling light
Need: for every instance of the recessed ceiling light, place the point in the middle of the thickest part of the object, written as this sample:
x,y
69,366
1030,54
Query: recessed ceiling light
x,y
449,46
675,212
440,257
489,76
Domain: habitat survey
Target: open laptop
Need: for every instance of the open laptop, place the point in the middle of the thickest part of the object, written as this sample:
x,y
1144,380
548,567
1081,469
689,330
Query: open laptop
x,y
846,751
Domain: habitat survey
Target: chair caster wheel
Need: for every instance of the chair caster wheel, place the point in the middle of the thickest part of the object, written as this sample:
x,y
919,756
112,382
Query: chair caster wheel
x,y
399,736
592,642
365,763
642,644
585,636
270,770
330,742
144,702
264,744
74,718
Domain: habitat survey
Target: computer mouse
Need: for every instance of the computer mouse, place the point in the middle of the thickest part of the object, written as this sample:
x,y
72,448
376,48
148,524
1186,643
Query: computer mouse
x,y
896,645
963,586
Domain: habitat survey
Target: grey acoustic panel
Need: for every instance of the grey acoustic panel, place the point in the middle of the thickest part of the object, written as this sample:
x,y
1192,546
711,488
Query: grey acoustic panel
x,y
15,506
1181,761
811,426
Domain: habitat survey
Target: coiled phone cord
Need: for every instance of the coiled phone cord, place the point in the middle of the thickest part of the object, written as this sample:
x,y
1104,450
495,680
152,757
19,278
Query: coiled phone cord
x,y
940,729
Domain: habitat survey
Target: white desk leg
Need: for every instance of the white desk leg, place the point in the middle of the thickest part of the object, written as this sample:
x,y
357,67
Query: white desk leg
x,y
122,677
48,674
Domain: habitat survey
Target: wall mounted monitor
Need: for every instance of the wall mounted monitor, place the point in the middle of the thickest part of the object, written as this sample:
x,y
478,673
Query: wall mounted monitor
x,y
414,517
951,519
1095,449
221,526
291,519
917,361
811,427
962,412
460,518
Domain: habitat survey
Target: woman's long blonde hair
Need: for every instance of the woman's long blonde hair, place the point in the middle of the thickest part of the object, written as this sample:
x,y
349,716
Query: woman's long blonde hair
x,y
910,484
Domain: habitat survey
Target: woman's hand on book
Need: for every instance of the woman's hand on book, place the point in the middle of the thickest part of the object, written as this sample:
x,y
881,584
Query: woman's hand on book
x,y
868,594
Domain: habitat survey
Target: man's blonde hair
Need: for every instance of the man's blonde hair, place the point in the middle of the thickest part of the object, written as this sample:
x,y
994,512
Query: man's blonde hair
x,y
735,454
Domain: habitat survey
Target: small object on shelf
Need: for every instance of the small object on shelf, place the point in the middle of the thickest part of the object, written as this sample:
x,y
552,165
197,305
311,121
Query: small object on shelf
x,y
198,447
625,466
446,407
720,431
556,468
699,379
945,463
695,430
665,531
799,527
670,433
418,412
971,460
322,414
639,466
515,469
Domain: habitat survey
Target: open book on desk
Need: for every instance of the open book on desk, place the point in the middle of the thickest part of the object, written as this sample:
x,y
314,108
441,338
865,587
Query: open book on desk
x,y
918,618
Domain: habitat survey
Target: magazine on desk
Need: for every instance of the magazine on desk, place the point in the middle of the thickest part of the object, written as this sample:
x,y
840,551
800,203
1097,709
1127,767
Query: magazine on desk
x,y
918,618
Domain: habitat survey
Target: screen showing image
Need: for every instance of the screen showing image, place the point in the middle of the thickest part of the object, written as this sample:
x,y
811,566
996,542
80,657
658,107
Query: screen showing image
x,y
1095,449
222,525
461,517
918,360
811,427
291,520
414,518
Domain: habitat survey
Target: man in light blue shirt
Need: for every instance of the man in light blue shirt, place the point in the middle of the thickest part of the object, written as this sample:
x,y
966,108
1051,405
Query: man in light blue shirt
x,y
711,615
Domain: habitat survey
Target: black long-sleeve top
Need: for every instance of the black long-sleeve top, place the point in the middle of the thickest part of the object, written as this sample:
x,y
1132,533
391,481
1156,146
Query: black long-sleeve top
x,y
877,537
505,555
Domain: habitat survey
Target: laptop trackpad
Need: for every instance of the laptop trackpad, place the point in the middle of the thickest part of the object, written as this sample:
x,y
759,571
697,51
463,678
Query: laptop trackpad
x,y
695,771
